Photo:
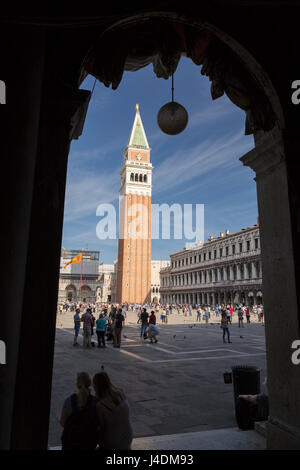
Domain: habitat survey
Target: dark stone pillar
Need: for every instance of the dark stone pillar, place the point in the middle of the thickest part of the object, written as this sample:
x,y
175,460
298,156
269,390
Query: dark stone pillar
x,y
269,161
22,67
61,113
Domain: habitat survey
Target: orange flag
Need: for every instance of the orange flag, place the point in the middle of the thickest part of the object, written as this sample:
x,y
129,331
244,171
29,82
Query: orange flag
x,y
77,259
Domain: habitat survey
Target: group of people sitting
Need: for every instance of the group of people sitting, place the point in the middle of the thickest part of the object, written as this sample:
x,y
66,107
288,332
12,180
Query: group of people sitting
x,y
99,421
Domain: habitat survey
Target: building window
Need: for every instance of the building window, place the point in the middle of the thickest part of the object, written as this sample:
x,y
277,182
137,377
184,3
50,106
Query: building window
x,y
248,245
132,177
145,178
191,260
227,251
136,177
241,247
215,254
221,252
209,255
256,243
233,249
199,258
141,178
195,259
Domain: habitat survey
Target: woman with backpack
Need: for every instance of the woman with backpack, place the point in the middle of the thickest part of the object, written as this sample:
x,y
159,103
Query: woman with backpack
x,y
79,417
115,430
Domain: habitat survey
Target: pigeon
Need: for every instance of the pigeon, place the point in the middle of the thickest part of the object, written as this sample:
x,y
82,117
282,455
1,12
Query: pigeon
x,y
174,336
184,337
102,367
241,336
124,336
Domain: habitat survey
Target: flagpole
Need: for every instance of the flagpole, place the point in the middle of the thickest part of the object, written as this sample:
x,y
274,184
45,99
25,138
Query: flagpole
x,y
81,279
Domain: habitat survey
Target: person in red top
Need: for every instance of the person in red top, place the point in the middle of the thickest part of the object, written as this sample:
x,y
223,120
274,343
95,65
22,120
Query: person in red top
x,y
152,331
152,318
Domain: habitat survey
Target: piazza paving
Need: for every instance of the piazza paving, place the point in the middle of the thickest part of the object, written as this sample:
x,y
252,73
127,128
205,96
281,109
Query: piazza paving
x,y
175,386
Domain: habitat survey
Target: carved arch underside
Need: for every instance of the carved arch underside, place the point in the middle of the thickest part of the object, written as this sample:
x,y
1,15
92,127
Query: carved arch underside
x,y
162,42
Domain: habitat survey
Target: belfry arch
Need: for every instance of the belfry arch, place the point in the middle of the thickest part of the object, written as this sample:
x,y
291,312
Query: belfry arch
x,y
53,106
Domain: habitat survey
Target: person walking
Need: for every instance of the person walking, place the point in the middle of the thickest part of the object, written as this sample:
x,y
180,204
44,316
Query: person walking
x,y
225,327
115,429
100,330
241,317
118,328
77,321
87,320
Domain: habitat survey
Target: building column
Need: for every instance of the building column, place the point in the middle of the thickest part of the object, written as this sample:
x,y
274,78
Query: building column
x,y
279,251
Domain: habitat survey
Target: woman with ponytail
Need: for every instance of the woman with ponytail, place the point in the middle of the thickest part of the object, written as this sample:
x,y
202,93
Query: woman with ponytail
x,y
78,417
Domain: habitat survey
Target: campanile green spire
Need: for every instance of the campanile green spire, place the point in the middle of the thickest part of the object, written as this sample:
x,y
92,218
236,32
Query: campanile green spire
x,y
138,136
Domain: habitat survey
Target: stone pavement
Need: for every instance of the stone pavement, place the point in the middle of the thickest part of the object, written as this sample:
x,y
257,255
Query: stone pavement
x,y
173,387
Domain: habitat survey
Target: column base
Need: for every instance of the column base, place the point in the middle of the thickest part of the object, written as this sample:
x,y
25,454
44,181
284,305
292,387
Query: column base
x,y
281,436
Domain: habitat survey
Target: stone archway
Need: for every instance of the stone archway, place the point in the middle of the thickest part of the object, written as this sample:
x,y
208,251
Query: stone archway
x,y
71,293
86,294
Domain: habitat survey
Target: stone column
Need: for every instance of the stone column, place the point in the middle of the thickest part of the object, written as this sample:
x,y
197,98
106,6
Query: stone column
x,y
246,273
238,272
280,292
253,269
231,275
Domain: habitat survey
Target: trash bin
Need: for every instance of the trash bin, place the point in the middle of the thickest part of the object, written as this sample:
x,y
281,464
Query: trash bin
x,y
246,381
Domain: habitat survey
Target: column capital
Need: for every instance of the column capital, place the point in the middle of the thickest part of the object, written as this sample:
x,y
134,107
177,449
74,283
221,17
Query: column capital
x,y
267,155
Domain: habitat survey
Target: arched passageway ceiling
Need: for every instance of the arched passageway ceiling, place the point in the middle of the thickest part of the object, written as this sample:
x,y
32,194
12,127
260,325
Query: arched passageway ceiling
x,y
162,41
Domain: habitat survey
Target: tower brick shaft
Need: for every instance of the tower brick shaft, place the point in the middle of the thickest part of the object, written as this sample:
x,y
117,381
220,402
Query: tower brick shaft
x,y
134,250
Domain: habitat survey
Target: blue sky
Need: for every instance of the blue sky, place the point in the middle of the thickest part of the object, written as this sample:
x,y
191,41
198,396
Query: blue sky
x,y
199,166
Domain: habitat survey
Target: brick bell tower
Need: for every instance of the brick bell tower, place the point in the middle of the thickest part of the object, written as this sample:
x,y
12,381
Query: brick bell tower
x,y
134,250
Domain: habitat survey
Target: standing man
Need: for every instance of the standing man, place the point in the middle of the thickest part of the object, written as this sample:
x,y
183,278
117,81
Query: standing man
x,y
118,328
241,317
225,327
100,330
87,320
77,321
144,321
206,314
199,313
248,314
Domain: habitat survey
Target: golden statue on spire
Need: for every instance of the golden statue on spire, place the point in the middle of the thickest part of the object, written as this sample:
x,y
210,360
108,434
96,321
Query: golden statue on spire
x,y
137,107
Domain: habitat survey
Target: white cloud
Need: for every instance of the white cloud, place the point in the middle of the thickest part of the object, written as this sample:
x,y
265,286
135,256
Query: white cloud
x,y
186,164
87,190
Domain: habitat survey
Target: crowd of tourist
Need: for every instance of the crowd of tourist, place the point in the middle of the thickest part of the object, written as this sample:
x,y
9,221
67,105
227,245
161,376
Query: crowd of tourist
x,y
107,321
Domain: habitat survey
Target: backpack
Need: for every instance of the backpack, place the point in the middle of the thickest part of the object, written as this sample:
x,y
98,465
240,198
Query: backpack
x,y
81,428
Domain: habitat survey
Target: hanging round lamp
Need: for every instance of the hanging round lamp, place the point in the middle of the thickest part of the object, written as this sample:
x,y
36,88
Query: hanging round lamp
x,y
172,118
